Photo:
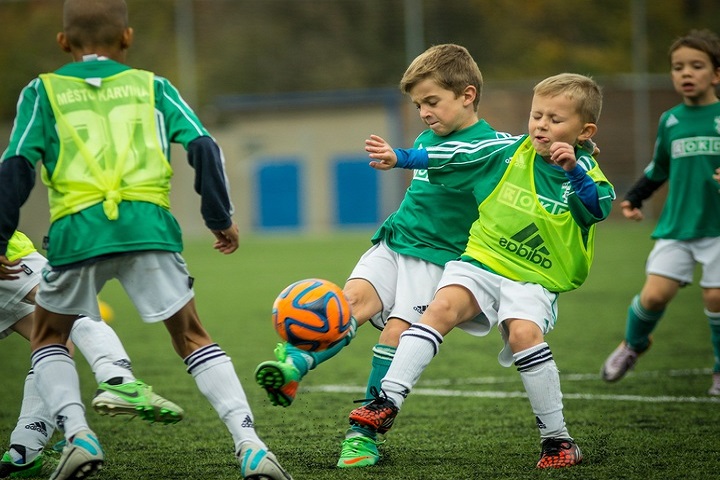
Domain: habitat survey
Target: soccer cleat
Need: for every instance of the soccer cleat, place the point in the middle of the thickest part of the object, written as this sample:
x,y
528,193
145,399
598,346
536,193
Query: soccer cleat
x,y
258,463
559,453
715,389
358,451
620,361
81,457
377,415
280,378
136,399
11,469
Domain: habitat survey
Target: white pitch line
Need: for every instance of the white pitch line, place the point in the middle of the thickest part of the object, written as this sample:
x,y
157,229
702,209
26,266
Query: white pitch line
x,y
571,377
441,392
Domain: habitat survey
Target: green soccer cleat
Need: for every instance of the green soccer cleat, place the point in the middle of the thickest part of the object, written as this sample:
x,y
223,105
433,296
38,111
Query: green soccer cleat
x,y
11,469
280,378
136,399
358,451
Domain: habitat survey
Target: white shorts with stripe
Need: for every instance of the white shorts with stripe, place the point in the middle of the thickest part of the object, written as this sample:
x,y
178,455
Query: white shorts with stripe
x,y
676,259
157,282
501,299
404,284
12,292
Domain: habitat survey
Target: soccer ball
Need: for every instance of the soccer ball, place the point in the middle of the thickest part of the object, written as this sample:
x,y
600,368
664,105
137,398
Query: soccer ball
x,y
311,314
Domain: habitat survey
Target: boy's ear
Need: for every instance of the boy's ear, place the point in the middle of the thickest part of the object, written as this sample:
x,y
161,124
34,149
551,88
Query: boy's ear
x,y
716,77
588,130
469,94
63,42
127,38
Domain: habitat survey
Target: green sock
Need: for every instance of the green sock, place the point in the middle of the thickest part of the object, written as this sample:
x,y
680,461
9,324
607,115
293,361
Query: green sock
x,y
640,324
714,320
305,361
381,360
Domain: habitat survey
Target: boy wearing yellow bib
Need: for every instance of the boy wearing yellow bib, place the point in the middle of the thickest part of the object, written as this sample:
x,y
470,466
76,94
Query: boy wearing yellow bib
x,y
539,198
102,132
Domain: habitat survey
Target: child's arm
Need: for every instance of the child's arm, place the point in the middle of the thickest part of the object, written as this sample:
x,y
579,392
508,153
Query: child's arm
x,y
634,198
205,157
563,154
17,179
385,157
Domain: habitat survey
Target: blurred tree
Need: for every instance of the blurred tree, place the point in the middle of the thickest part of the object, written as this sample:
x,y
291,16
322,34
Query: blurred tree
x,y
266,46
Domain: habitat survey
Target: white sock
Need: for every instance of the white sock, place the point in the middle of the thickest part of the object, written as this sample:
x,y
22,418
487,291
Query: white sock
x,y
216,378
35,424
57,383
102,349
418,345
541,379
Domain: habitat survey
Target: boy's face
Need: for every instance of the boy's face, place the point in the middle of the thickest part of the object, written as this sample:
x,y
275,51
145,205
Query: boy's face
x,y
554,119
693,76
441,110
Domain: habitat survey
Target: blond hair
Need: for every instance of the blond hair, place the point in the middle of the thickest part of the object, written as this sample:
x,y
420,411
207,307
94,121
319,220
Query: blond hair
x,y
580,88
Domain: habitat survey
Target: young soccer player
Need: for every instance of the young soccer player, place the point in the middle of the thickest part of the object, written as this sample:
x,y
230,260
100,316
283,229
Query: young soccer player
x,y
687,154
119,392
394,281
102,132
539,198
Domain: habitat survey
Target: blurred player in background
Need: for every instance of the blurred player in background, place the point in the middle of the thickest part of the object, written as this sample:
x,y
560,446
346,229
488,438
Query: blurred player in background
x,y
687,154
102,131
119,392
539,197
394,281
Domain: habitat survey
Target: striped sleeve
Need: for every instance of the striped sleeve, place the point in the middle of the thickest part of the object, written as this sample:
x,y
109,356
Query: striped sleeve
x,y
27,137
177,121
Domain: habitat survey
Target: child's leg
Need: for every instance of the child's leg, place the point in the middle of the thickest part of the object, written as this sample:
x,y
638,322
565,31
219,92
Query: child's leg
x,y
714,322
640,324
102,349
34,427
541,379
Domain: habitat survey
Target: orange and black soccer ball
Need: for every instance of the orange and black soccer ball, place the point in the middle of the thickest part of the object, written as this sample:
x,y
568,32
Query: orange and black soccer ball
x,y
311,314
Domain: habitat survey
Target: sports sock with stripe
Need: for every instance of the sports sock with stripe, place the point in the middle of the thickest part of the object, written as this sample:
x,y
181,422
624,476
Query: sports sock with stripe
x,y
541,379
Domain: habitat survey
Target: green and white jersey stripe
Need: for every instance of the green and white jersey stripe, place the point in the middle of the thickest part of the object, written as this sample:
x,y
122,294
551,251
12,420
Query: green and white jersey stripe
x,y
433,221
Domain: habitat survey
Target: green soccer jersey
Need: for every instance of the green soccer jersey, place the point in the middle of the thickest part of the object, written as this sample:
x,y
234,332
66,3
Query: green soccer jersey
x,y
433,221
687,152
88,233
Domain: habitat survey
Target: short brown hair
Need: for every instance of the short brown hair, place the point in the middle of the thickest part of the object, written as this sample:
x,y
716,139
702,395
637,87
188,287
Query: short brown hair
x,y
94,23
703,40
583,89
450,66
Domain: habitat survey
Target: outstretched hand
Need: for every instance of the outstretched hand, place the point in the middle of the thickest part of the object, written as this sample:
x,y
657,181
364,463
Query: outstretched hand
x,y
227,240
630,212
9,270
381,152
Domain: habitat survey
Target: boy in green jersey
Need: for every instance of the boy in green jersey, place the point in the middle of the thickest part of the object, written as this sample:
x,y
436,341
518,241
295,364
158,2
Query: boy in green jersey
x,y
102,131
538,197
393,282
119,392
687,154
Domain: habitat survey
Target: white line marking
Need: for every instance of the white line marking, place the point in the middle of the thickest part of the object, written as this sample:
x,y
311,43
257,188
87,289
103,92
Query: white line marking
x,y
442,392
